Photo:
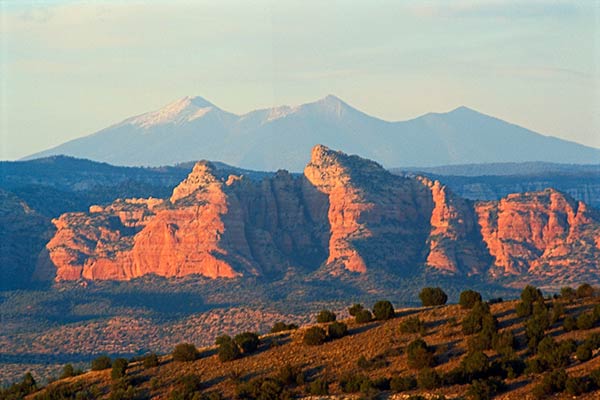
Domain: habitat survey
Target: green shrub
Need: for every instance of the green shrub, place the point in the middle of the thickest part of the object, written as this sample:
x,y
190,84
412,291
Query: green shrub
x,y
150,361
419,354
585,321
228,350
595,377
318,387
552,382
469,298
504,343
352,383
337,330
475,365
363,316
248,342
326,316
433,296
185,352
584,352
67,371
478,319
383,310
282,326
585,290
314,336
428,379
569,324
100,363
412,325
119,368
403,383
122,389
373,363
535,330
485,389
577,386
263,389
355,309
188,387
291,375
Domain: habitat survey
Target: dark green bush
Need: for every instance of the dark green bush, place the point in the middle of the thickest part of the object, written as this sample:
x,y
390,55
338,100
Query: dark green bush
x,y
475,365
403,383
326,316
584,351
383,310
185,352
553,382
585,290
318,387
412,325
291,375
119,368
535,330
100,363
263,389
373,363
419,354
569,324
337,330
355,309
122,389
21,389
433,296
428,379
352,383
247,342
504,343
577,386
282,326
314,336
469,298
485,389
585,321
364,316
67,371
150,361
228,350
595,377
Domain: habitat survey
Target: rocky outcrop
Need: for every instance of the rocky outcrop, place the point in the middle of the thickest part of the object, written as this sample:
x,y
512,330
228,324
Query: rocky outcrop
x,y
344,214
545,234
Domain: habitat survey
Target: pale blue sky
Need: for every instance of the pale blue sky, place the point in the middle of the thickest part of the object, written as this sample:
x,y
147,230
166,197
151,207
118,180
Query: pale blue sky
x,y
69,68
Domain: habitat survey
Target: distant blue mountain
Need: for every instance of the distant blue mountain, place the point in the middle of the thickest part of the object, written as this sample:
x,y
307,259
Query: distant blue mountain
x,y
281,137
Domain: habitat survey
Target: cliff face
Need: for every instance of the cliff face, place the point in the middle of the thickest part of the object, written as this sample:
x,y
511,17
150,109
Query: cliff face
x,y
344,213
546,234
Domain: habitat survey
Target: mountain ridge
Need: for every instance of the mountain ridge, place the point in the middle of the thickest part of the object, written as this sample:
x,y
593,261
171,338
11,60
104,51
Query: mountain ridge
x,y
346,213
193,128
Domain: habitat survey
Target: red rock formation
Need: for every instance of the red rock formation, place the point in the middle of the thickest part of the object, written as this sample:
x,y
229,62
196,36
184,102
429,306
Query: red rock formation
x,y
544,233
345,213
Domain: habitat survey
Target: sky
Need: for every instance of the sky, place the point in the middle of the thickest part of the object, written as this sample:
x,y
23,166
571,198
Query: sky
x,y
70,68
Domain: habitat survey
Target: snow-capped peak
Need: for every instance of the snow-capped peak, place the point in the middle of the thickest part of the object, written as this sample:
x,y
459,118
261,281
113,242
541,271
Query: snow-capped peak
x,y
183,110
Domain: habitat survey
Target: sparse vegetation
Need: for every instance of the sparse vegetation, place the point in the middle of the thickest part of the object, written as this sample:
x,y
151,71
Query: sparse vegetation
x,y
315,336
469,298
326,316
100,363
383,310
185,352
433,296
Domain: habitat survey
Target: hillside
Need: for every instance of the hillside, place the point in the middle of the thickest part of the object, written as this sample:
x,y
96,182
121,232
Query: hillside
x,y
383,347
193,128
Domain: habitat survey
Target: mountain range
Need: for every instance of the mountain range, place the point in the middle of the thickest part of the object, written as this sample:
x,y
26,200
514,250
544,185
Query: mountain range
x,y
192,129
345,214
